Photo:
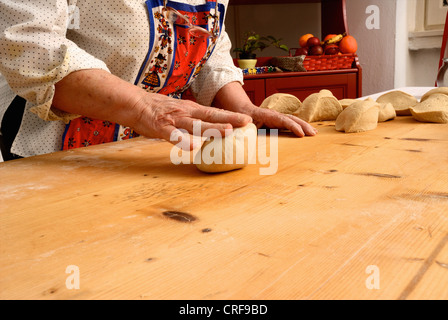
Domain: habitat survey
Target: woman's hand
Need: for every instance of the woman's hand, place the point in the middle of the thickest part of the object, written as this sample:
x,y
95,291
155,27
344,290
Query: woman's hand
x,y
233,97
162,117
272,119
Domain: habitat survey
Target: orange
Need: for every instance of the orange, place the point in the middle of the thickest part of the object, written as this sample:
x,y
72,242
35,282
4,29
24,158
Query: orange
x,y
328,37
348,45
304,39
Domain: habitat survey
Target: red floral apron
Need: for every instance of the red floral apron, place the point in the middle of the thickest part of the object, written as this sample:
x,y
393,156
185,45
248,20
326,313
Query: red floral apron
x,y
174,59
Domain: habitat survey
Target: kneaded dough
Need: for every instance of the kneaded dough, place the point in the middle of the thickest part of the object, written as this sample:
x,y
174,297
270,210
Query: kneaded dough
x,y
400,100
346,102
358,117
242,141
433,109
442,90
320,106
282,102
386,112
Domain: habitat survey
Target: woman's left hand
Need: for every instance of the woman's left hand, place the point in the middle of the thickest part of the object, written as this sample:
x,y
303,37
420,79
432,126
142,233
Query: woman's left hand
x,y
275,120
233,97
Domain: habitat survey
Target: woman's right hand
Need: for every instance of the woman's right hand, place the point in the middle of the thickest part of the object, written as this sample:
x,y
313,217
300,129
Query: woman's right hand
x,y
162,117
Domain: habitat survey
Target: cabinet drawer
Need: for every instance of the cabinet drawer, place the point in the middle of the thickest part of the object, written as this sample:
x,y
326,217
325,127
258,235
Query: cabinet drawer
x,y
341,85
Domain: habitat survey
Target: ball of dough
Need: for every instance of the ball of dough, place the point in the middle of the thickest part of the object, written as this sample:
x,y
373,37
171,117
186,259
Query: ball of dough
x,y
358,117
346,102
234,151
433,109
442,90
320,106
282,102
401,101
386,112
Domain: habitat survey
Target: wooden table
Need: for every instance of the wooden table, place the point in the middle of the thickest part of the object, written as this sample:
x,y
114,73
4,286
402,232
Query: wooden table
x,y
347,216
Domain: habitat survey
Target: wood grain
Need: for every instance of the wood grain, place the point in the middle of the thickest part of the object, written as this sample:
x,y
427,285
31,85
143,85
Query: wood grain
x,y
139,227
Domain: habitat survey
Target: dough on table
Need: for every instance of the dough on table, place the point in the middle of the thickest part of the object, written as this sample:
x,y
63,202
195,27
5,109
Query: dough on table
x,y
386,112
442,90
282,102
358,117
234,151
346,102
320,106
401,101
433,109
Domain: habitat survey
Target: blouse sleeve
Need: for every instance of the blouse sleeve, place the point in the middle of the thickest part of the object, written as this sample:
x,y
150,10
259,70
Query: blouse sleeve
x,y
35,53
218,71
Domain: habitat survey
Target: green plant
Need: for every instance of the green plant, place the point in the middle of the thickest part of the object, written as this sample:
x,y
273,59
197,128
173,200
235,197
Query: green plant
x,y
253,42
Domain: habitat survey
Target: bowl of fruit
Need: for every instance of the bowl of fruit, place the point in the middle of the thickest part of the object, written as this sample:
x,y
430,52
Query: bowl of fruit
x,y
335,51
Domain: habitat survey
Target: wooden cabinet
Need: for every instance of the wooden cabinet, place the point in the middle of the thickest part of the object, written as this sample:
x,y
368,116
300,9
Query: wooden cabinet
x,y
255,89
346,83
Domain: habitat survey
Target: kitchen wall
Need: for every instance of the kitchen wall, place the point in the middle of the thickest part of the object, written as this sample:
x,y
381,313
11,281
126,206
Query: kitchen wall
x,y
375,33
426,20
285,21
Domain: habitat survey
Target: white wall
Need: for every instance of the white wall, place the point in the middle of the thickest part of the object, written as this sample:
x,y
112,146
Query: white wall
x,y
376,47
422,60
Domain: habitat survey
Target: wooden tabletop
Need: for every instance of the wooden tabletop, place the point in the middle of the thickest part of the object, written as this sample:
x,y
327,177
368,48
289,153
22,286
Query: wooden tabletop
x,y
346,216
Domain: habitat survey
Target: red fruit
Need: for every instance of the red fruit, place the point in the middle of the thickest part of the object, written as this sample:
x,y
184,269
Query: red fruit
x,y
303,39
332,49
301,52
316,51
348,45
313,41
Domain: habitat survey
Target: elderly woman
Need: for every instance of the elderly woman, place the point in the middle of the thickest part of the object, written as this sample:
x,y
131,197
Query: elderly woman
x,y
99,71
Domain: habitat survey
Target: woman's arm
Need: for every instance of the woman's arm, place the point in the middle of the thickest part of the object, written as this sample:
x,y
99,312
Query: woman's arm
x,y
98,94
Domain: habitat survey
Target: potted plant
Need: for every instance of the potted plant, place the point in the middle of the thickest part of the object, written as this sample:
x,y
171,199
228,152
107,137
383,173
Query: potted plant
x,y
253,42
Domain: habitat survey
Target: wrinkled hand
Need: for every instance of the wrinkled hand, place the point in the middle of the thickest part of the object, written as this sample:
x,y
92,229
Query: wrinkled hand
x,y
162,117
276,120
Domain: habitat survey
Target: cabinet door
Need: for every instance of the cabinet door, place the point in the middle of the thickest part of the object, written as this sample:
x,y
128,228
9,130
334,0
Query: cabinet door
x,y
341,85
255,89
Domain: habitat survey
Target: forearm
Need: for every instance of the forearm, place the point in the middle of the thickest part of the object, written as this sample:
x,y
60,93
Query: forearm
x,y
98,94
232,97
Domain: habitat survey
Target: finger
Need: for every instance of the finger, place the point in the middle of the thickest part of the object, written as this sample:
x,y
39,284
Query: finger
x,y
214,115
290,124
203,128
296,125
179,137
282,121
308,129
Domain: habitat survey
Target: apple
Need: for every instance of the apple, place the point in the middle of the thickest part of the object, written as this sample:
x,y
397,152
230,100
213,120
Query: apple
x,y
301,52
332,49
313,41
316,51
